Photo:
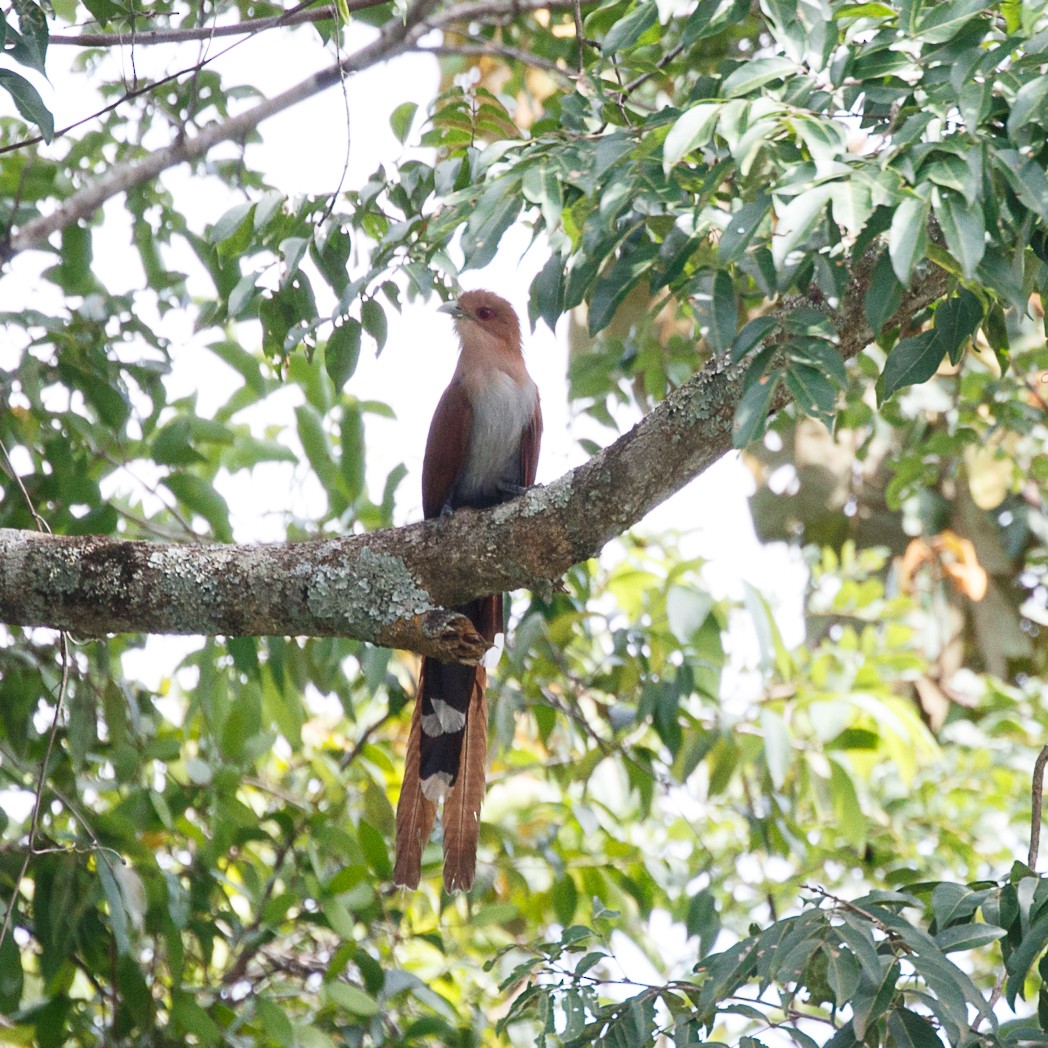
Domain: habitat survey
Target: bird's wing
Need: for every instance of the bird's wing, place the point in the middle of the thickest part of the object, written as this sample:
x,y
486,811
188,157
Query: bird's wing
x,y
530,440
446,448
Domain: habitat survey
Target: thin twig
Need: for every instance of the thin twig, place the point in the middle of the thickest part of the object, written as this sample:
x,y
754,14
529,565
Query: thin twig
x,y
514,54
345,104
851,907
664,61
351,755
41,783
249,944
127,96
487,10
9,468
580,40
996,994
70,805
296,16
1036,797
43,526
1036,393
154,490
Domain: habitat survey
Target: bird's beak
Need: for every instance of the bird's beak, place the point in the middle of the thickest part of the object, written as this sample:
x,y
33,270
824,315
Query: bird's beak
x,y
453,308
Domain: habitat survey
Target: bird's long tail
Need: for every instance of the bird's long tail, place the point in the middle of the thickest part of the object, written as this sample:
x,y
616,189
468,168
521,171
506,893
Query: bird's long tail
x,y
446,759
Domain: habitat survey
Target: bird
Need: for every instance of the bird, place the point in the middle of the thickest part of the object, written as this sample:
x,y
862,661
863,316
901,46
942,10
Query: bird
x,y
482,449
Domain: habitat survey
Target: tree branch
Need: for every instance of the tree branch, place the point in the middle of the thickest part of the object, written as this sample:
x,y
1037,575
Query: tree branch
x,y
393,587
248,27
512,54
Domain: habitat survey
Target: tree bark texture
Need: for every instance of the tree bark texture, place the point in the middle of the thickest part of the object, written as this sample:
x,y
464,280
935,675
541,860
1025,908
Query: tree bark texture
x,y
393,587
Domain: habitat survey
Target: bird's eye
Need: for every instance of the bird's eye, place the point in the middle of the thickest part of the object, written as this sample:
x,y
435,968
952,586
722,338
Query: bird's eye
x,y
484,313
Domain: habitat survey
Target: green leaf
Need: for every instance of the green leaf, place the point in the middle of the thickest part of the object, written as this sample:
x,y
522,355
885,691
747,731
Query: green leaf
x,y
686,610
873,9
30,47
351,999
375,323
716,308
692,129
725,973
495,212
956,320
342,352
28,102
751,416
849,814
588,961
540,185
884,295
798,220
754,73
373,844
820,354
968,937
331,254
118,916
711,17
1026,951
200,497
751,335
940,22
911,361
353,455
995,328
1027,178
615,284
627,31
842,973
852,203
187,1017
317,446
910,1030
872,1000
12,982
401,118
953,902
812,391
778,750
1029,100
73,273
293,250
565,897
740,228
547,293
964,228
908,237
236,218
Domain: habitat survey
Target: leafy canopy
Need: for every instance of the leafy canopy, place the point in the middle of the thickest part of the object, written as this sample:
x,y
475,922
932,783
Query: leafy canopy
x,y
697,831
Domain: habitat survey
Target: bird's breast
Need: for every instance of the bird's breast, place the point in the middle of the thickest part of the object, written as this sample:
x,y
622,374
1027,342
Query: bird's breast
x,y
503,407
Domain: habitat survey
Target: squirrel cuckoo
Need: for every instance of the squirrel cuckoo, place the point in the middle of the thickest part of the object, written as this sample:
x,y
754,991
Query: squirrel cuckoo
x,y
482,449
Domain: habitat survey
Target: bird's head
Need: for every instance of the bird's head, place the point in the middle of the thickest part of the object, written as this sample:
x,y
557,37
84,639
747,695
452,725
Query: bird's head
x,y
484,311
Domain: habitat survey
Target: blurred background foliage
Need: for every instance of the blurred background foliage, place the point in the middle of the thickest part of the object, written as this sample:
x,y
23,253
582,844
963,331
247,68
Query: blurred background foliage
x,y
696,830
